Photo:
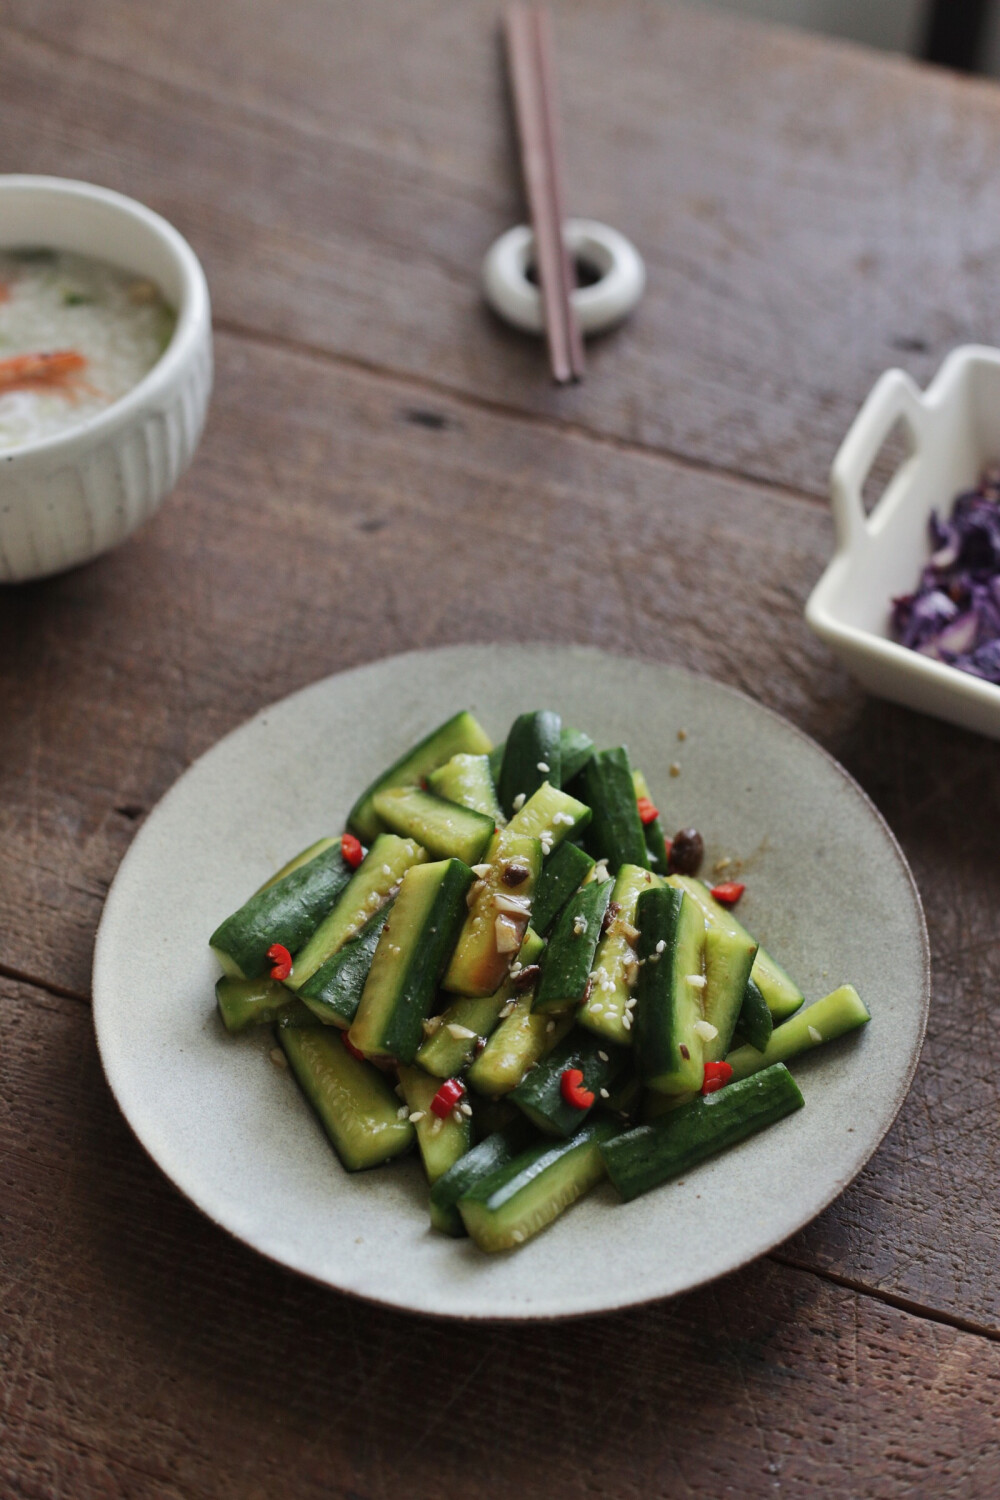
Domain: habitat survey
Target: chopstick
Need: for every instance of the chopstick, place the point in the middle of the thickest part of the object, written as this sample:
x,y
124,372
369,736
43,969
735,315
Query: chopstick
x,y
530,60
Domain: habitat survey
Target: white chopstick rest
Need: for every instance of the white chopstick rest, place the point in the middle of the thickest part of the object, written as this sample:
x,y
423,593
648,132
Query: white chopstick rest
x,y
620,285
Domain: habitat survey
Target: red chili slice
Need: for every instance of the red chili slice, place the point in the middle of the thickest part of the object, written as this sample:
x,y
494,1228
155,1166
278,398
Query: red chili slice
x,y
447,1096
281,961
729,892
572,1089
717,1075
354,1051
352,850
647,812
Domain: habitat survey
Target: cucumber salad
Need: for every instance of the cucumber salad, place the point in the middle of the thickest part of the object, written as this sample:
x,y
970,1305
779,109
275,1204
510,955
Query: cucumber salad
x,y
505,962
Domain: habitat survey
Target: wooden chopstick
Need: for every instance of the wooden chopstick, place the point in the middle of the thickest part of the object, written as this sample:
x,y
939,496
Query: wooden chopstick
x,y
530,60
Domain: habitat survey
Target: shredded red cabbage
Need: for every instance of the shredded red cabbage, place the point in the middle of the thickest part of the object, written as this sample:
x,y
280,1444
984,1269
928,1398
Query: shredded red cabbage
x,y
954,615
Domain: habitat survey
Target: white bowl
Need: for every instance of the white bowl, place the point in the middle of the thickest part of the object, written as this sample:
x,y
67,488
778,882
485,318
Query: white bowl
x,y
955,428
69,497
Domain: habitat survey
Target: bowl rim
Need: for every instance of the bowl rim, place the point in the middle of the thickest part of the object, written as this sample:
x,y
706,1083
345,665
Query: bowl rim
x,y
193,315
944,387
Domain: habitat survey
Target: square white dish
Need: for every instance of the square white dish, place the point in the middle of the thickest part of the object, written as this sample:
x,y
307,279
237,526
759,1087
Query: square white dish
x,y
955,430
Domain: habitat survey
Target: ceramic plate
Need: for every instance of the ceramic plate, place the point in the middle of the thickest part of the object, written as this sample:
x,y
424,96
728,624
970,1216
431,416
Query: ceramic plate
x,y
828,892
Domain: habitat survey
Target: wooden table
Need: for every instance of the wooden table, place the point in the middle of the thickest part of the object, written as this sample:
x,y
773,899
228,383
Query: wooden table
x,y
385,467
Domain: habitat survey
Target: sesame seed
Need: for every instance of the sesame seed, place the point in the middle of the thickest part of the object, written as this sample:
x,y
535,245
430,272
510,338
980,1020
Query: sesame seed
x,y
705,1030
456,1115
518,802
661,945
603,1056
817,1036
460,1033
481,870
605,1094
403,1112
387,869
507,1009
698,980
543,767
601,874
517,1236
627,1020
278,1058
579,925
418,1114
550,1026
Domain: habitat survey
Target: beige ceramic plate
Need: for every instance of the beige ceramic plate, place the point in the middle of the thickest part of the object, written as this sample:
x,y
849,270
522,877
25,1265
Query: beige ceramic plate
x,y
828,891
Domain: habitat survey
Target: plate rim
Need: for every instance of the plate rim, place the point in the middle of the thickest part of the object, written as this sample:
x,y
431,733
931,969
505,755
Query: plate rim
x,y
618,1304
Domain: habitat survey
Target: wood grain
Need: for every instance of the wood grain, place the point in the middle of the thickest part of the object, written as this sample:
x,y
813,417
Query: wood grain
x,y
329,520
809,213
146,1353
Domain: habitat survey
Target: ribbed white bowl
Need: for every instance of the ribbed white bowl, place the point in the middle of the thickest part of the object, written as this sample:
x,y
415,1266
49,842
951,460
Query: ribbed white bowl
x,y
67,498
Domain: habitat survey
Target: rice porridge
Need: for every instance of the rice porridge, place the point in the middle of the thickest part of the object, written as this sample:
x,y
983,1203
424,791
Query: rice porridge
x,y
76,334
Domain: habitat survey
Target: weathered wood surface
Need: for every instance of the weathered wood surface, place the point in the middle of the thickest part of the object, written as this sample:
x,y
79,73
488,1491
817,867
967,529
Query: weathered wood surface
x,y
809,213
380,459
145,1353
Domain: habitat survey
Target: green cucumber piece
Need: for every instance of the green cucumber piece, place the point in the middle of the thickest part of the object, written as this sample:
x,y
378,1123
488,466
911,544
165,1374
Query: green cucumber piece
x,y
615,834
755,1022
532,744
569,956
539,1095
606,1007
497,1150
288,913
495,758
498,915
563,872
442,1142
253,1002
668,1048
320,847
446,830
334,992
466,1023
461,734
551,815
782,995
468,780
381,870
575,749
356,1107
656,845
825,1019
728,960
412,952
518,1199
520,1041
643,1158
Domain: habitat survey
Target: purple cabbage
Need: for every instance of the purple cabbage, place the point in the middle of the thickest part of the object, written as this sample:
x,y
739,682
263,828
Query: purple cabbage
x,y
954,614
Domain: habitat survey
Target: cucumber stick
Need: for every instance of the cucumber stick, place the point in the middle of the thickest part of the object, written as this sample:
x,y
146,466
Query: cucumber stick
x,y
467,1022
550,815
652,832
441,1142
667,1041
532,756
334,992
383,867
519,1042
615,972
320,847
569,957
255,1002
497,1150
825,1019
446,830
728,960
781,993
498,916
461,734
575,749
642,1158
515,1201
755,1022
468,780
287,912
563,872
410,958
615,834
539,1094
356,1107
